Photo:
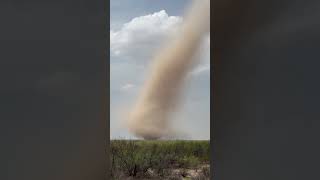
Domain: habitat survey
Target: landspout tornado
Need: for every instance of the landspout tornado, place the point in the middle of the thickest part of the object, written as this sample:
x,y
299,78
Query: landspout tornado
x,y
150,116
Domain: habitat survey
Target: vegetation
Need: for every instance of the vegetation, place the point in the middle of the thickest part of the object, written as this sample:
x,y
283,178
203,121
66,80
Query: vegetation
x,y
140,159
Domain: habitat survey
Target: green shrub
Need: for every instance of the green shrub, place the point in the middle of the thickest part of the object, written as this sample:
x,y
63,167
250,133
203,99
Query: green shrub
x,y
137,158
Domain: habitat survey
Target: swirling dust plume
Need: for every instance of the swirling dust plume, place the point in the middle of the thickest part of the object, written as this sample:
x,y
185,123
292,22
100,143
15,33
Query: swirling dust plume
x,y
150,116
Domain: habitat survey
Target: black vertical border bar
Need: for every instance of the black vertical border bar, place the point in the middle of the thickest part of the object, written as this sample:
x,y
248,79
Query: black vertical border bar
x,y
106,106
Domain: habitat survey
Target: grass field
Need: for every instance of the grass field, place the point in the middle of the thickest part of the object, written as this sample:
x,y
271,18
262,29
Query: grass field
x,y
141,159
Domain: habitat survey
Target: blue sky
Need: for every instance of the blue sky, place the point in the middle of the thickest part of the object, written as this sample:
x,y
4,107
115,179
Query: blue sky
x,y
138,28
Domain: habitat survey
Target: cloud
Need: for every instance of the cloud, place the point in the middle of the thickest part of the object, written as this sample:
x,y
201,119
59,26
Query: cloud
x,y
204,55
201,69
136,41
139,38
127,87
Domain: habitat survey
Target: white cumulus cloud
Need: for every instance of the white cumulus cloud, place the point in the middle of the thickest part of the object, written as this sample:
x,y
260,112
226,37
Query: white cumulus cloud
x,y
137,39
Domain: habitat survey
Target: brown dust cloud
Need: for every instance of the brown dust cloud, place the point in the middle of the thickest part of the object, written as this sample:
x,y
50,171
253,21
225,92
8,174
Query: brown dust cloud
x,y
151,115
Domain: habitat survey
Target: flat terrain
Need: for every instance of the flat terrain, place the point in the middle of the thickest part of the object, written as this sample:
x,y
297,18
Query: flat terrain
x,y
174,159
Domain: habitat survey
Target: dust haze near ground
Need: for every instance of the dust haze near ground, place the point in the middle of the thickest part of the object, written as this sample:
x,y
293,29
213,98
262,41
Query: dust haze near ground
x,y
150,117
